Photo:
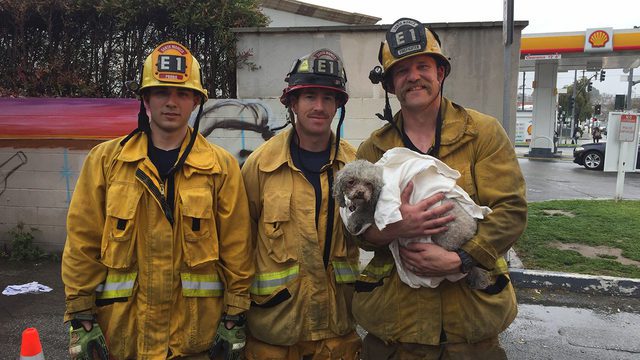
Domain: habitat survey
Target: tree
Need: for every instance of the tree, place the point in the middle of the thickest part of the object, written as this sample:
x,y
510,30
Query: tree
x,y
584,106
88,48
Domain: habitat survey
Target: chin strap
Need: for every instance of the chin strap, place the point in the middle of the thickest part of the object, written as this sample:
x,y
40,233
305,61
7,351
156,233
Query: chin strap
x,y
192,140
143,123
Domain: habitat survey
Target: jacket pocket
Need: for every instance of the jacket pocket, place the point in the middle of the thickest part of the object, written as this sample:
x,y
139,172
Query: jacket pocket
x,y
281,244
199,234
276,311
118,240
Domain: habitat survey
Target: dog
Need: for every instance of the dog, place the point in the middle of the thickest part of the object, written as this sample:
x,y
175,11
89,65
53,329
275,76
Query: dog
x,y
357,189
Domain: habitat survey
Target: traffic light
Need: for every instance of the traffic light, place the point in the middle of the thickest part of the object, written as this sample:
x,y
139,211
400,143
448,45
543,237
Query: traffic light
x,y
597,109
602,74
589,87
571,103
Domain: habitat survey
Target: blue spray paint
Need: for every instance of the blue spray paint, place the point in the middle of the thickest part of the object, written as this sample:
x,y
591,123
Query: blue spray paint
x,y
66,173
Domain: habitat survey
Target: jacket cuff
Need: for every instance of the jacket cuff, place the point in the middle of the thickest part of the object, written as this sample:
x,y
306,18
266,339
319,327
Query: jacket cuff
x,y
80,304
480,255
235,301
232,310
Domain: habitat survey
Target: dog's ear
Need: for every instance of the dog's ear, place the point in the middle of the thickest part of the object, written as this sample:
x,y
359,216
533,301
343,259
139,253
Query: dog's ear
x,y
338,189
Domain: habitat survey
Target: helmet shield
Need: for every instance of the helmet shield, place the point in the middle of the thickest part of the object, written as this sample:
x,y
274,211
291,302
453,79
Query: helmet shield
x,y
320,69
407,38
171,64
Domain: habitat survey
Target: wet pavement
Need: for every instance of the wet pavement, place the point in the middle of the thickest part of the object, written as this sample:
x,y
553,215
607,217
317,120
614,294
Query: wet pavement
x,y
562,179
555,332
551,324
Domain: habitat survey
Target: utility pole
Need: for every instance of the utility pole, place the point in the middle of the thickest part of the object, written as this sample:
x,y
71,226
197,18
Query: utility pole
x,y
524,76
631,83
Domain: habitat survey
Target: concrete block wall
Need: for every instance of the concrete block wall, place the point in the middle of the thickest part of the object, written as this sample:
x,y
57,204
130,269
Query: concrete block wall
x,y
36,186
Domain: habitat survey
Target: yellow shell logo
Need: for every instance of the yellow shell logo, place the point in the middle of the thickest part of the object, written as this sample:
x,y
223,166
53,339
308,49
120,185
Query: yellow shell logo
x,y
598,38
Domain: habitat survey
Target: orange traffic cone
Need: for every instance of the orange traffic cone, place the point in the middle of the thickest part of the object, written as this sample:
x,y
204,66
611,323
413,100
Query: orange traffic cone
x,y
31,348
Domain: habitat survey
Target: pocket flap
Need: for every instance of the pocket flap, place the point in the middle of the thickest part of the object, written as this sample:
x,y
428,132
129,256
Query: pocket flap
x,y
277,206
122,200
196,202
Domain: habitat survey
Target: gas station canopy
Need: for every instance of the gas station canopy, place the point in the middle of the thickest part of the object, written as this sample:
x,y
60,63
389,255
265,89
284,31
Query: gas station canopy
x,y
593,49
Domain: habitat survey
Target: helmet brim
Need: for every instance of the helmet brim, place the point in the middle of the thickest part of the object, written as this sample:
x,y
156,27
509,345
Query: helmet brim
x,y
285,99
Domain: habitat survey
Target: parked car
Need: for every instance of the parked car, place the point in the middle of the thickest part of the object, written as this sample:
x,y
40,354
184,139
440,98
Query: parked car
x,y
591,156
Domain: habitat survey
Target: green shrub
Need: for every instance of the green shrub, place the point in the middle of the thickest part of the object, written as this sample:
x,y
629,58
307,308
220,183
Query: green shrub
x,y
22,247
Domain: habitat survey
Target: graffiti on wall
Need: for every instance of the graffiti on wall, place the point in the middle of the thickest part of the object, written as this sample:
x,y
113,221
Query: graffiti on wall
x,y
9,166
242,115
66,173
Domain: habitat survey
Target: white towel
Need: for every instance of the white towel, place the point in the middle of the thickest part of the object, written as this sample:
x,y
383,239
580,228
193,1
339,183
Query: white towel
x,y
29,288
430,176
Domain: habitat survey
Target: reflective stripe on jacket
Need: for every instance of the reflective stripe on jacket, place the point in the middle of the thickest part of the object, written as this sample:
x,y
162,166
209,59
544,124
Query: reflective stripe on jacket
x,y
157,287
294,297
477,146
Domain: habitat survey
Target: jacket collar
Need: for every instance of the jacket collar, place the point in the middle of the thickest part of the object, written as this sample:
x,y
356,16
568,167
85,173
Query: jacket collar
x,y
278,153
199,159
457,129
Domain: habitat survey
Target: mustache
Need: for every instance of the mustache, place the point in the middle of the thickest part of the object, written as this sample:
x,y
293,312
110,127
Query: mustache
x,y
427,86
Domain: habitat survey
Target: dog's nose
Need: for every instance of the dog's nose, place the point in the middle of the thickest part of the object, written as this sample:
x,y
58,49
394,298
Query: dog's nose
x,y
359,194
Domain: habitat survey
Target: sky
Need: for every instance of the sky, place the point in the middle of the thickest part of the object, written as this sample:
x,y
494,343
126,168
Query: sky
x,y
544,16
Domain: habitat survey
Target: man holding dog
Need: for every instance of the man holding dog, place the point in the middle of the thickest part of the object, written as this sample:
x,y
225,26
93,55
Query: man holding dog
x,y
450,320
305,266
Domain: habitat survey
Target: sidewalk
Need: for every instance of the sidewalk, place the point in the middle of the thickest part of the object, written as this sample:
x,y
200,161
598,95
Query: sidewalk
x,y
562,153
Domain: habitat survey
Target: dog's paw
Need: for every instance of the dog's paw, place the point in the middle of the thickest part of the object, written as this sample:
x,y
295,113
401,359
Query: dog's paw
x,y
479,278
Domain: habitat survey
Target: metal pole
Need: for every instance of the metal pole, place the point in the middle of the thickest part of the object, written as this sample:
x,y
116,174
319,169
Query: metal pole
x,y
575,101
524,76
507,35
621,172
630,85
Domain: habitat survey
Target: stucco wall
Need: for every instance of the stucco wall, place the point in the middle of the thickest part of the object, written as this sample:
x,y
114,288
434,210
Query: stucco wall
x,y
475,49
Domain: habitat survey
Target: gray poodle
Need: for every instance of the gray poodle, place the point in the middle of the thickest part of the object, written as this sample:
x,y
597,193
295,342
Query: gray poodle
x,y
358,187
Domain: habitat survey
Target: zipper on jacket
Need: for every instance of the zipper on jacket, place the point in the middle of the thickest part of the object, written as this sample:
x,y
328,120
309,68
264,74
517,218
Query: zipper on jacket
x,y
157,193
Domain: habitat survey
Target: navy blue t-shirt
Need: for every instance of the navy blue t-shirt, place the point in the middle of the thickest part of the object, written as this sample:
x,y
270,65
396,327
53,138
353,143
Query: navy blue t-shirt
x,y
310,163
163,160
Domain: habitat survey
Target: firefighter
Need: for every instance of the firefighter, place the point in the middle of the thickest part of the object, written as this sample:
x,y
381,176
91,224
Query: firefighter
x,y
451,320
305,265
157,262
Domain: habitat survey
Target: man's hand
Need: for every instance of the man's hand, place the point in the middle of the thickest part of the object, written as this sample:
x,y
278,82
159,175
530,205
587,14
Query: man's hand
x,y
230,340
418,220
428,259
86,341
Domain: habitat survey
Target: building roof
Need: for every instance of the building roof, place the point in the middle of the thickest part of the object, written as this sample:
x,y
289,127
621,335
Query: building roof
x,y
320,12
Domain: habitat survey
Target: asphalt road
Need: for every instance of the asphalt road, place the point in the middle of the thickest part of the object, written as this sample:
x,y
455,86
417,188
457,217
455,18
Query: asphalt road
x,y
562,179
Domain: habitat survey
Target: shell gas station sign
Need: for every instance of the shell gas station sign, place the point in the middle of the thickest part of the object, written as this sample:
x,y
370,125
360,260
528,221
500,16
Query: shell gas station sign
x,y
598,40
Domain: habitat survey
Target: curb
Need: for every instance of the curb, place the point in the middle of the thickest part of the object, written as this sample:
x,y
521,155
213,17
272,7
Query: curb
x,y
577,283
